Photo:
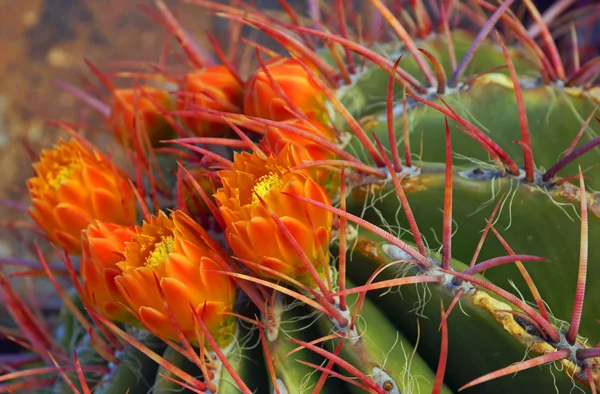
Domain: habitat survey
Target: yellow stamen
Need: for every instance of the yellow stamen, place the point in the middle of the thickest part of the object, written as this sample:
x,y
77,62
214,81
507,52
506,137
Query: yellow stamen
x,y
62,174
160,252
265,184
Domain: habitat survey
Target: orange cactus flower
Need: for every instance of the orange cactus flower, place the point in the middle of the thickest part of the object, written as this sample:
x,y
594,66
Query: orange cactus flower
x,y
275,139
103,246
263,100
72,188
213,88
130,106
176,251
251,231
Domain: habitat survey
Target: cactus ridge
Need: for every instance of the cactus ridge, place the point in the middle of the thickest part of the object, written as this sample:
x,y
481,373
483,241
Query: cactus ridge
x,y
310,247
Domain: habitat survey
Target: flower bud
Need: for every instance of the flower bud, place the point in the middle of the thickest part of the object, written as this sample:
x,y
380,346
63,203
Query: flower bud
x,y
103,246
133,112
264,100
176,251
251,231
213,88
72,188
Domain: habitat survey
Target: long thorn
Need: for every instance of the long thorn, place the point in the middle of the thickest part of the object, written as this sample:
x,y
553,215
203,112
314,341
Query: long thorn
x,y
226,364
528,279
342,241
414,228
562,163
346,115
483,33
534,362
581,131
189,46
441,369
502,260
343,364
403,35
390,119
447,224
420,260
548,40
525,136
405,134
583,265
547,328
440,74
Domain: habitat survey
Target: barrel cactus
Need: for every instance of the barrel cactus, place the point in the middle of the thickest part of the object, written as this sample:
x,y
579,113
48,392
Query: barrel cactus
x,y
388,197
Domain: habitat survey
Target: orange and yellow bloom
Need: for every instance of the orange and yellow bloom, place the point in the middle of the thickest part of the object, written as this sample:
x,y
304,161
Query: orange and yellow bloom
x,y
103,246
179,254
72,188
251,231
136,111
212,88
263,100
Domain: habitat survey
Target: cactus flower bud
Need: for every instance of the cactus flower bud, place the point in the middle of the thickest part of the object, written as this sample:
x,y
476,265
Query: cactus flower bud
x,y
251,231
130,106
72,188
213,88
275,139
103,245
176,251
263,100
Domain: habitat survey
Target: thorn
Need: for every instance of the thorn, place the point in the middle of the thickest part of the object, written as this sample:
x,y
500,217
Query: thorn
x,y
407,154
342,242
491,22
447,224
583,265
301,253
102,108
534,362
562,163
390,119
402,76
224,59
103,79
420,260
547,328
414,228
580,133
441,369
525,136
403,35
226,364
339,4
328,369
342,364
189,46
346,115
151,354
440,74
483,266
488,224
268,357
548,40
528,279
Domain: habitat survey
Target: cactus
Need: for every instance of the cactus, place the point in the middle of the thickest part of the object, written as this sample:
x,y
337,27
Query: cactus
x,y
373,205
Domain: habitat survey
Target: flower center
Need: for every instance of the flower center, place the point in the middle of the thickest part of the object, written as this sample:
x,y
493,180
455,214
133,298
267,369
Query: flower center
x,y
265,184
160,252
62,174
